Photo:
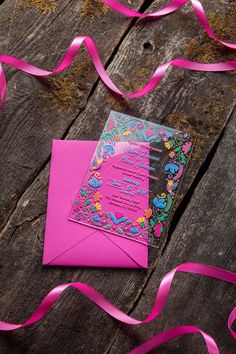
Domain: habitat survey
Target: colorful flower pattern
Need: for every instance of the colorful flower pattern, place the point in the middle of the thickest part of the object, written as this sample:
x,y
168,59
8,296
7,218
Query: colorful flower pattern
x,y
120,127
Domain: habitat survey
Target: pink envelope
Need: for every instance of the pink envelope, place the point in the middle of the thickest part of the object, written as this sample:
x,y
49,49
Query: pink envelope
x,y
71,244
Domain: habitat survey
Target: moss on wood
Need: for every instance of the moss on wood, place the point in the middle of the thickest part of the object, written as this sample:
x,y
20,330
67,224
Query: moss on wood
x,y
205,49
118,103
67,90
44,6
93,8
139,77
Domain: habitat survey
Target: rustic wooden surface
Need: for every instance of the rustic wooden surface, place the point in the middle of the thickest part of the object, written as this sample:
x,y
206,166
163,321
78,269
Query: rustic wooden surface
x,y
74,105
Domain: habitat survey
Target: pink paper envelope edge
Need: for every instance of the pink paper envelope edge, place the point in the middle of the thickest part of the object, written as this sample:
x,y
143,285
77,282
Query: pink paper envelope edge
x,y
69,243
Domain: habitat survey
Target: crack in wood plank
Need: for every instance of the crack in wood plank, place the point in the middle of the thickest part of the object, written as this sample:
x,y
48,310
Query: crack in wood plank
x,y
27,220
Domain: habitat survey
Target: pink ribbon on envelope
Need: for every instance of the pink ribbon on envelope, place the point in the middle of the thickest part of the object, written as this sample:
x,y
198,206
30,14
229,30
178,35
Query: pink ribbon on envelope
x,y
159,303
93,52
168,9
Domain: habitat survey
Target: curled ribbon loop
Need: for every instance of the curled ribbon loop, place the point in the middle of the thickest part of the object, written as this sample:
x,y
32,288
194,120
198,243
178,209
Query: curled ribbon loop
x,y
172,333
159,303
168,9
94,55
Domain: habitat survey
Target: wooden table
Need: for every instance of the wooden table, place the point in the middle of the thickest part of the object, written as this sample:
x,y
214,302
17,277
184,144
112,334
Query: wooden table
x,y
75,105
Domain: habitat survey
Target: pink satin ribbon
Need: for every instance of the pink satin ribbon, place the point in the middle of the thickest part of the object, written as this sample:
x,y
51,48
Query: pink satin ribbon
x,y
168,9
93,52
165,285
160,301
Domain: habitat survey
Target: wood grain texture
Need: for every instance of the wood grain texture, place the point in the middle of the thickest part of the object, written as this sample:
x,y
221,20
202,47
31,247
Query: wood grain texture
x,y
200,103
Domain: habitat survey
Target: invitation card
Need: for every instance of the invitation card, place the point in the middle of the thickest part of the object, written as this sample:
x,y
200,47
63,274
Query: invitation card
x,y
133,178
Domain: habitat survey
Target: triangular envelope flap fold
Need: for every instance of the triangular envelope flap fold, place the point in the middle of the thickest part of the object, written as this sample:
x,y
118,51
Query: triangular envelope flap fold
x,y
66,174
135,250
77,151
97,250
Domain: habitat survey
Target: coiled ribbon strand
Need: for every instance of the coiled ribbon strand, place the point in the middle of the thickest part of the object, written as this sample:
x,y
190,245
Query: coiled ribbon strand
x,y
159,303
94,55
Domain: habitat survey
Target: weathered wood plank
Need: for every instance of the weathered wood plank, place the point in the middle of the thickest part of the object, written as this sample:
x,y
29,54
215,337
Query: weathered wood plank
x,y
201,103
198,102
205,234
30,118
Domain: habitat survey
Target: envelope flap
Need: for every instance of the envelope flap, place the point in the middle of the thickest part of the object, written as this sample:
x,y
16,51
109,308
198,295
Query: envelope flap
x,y
137,251
74,148
105,250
